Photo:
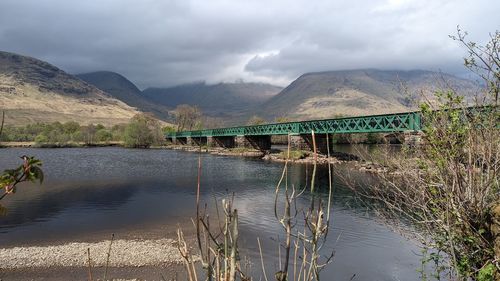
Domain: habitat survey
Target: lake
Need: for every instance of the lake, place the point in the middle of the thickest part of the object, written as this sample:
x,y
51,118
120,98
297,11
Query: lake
x,y
90,193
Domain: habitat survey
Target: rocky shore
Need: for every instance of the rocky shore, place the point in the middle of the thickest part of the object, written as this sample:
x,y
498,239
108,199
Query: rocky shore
x,y
295,157
124,253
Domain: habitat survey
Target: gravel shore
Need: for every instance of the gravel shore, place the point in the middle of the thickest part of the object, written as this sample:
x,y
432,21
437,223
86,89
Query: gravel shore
x,y
124,253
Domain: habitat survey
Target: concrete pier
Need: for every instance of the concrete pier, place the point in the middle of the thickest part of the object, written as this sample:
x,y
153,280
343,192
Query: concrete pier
x,y
223,142
180,141
262,143
199,141
305,142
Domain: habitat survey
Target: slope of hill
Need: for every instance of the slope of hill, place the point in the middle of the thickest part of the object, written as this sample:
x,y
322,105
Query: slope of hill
x,y
121,88
223,99
36,91
358,92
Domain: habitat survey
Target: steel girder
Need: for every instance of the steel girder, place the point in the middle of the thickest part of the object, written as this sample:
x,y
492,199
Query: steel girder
x,y
399,122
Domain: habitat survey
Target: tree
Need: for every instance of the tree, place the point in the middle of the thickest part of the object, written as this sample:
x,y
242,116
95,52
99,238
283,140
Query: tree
x,y
103,135
168,129
208,122
448,186
118,131
71,127
187,117
89,134
41,138
255,120
483,60
282,119
142,131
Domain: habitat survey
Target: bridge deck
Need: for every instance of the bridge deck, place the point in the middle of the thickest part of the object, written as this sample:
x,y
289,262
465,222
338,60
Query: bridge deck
x,y
385,123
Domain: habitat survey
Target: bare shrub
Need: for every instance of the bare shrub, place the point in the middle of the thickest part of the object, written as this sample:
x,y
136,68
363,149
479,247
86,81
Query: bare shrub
x,y
446,186
218,248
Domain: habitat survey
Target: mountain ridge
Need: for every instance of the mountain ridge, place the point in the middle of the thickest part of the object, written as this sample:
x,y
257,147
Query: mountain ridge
x,y
327,94
121,88
220,99
32,90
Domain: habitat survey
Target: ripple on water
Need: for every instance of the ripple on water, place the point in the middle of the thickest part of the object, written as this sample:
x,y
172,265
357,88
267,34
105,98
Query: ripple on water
x,y
103,190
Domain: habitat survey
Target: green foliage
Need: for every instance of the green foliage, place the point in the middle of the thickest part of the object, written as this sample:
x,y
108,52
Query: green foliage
x,y
447,192
71,127
168,129
103,135
118,132
29,171
241,149
487,273
41,138
282,119
294,154
142,132
54,133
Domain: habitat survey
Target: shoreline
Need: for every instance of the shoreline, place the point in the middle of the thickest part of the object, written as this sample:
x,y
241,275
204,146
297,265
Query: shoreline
x,y
124,253
32,144
129,259
304,157
297,156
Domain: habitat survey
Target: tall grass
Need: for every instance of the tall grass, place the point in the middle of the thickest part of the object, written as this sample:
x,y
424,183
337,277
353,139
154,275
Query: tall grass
x,y
217,243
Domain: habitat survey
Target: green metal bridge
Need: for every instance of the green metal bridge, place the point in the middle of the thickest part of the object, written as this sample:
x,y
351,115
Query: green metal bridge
x,y
385,123
301,132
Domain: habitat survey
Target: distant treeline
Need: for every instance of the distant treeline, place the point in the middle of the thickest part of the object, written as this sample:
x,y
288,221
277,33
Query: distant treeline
x,y
142,131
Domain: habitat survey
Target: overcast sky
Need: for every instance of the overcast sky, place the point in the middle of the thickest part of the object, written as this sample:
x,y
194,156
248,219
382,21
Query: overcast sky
x,y
163,43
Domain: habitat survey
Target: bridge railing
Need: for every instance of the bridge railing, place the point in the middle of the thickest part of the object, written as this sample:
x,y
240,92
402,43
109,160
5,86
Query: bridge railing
x,y
397,122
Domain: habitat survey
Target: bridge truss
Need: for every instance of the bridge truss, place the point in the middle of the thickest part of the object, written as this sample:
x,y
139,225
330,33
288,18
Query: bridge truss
x,y
386,123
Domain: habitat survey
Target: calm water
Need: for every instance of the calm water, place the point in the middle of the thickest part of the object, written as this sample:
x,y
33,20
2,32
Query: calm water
x,y
90,193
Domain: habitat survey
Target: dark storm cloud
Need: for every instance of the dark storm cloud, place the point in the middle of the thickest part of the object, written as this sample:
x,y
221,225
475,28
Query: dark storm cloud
x,y
158,42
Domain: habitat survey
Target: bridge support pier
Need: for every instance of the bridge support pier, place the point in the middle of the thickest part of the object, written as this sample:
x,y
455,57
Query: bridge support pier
x,y
199,141
262,143
412,138
305,142
180,141
210,142
223,142
297,142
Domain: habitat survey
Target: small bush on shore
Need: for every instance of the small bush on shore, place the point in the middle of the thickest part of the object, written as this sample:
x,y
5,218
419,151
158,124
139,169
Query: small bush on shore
x,y
142,132
294,154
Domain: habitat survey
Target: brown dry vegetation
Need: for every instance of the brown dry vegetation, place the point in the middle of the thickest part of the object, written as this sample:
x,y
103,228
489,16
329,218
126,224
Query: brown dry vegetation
x,y
448,186
35,91
359,92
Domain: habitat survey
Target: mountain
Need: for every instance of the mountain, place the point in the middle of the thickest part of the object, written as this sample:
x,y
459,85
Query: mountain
x,y
32,90
220,100
121,88
358,92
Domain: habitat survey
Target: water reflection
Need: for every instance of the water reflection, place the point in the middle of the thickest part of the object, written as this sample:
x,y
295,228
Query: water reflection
x,y
99,191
